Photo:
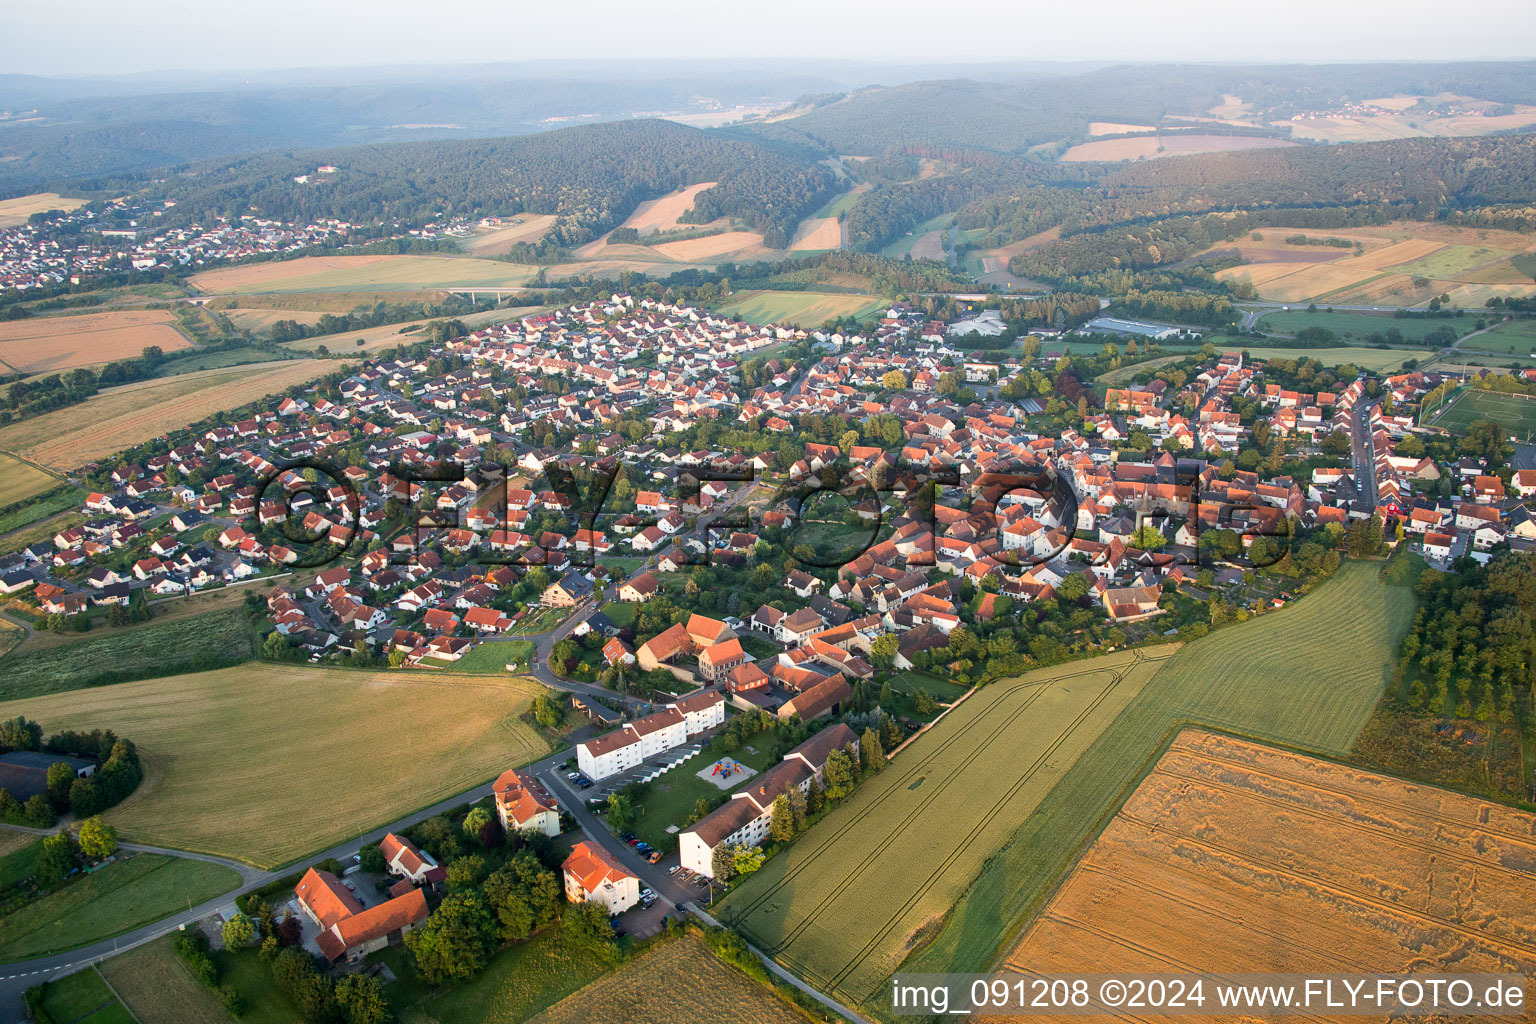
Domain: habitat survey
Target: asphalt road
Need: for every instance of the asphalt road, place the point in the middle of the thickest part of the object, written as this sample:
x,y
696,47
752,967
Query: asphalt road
x,y
1364,453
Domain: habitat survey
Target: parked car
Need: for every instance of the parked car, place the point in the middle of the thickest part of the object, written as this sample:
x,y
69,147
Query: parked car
x,y
573,776
647,892
655,856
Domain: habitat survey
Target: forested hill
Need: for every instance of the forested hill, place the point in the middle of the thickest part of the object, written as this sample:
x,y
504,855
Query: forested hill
x,y
1012,118
591,176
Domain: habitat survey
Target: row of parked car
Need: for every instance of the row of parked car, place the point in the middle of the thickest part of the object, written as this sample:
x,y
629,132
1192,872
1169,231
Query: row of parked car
x,y
581,780
642,847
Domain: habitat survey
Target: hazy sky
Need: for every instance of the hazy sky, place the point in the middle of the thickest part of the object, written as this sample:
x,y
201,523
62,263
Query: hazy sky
x,y
93,37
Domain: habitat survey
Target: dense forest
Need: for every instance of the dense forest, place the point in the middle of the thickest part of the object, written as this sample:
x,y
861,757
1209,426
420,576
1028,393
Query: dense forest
x,y
591,176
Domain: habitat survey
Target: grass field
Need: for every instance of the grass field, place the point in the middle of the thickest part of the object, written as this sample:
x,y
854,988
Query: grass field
x,y
520,981
155,985
1360,326
1233,857
524,227
1290,686
680,980
145,649
51,344
118,417
1515,338
18,856
493,656
1516,413
230,751
361,273
192,362
806,309
84,997
1150,147
1375,359
117,898
925,826
16,211
58,500
19,481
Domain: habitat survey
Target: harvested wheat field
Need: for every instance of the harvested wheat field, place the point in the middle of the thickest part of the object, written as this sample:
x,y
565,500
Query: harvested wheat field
x,y
1150,147
710,246
1236,857
51,344
1117,128
16,211
928,246
134,413
1260,274
267,762
257,321
1398,252
817,233
362,273
525,227
681,980
662,214
1312,281
18,480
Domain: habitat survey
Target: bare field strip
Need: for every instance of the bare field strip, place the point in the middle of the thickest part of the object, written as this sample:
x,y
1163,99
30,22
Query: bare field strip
x,y
1150,147
1315,279
681,980
1394,254
267,762
1117,128
51,344
709,246
662,214
1235,857
817,233
128,415
924,826
929,246
14,212
523,228
363,273
1261,274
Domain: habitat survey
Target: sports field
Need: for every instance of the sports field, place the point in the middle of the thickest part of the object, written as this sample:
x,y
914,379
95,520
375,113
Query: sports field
x,y
361,273
1516,413
119,417
1291,686
19,481
267,762
805,309
51,344
923,828
1233,857
680,980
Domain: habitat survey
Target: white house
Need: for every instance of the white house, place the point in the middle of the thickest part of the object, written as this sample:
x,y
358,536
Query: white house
x,y
593,876
524,805
646,737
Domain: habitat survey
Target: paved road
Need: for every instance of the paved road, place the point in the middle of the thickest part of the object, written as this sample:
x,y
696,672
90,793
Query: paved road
x,y
1364,452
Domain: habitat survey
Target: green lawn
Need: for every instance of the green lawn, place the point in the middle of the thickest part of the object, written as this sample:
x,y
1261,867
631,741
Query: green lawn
x,y
83,996
493,656
1360,326
240,356
621,613
252,978
19,865
519,982
670,799
154,649
1290,686
48,504
1515,338
119,897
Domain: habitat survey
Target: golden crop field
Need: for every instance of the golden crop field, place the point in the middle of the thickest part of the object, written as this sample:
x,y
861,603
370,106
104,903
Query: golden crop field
x,y
710,246
925,825
680,980
259,320
525,227
1117,128
817,233
16,211
266,762
1150,147
806,309
19,481
51,344
662,214
128,415
362,273
1232,857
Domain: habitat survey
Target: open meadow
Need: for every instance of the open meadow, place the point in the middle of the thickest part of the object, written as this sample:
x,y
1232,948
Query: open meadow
x,y
119,417
1513,338
362,273
55,343
1349,325
16,211
925,826
1233,857
155,984
19,481
1405,263
229,752
678,980
1171,143
1515,413
805,309
1290,686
